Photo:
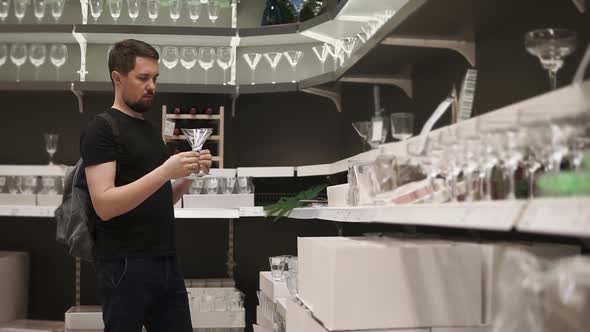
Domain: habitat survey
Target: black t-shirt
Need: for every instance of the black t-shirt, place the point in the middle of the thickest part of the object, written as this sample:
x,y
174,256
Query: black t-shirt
x,y
147,230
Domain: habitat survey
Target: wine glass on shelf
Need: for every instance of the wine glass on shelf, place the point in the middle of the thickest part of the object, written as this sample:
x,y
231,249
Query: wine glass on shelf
x,y
51,145
153,8
273,59
206,59
3,54
133,7
225,58
58,54
96,8
213,8
194,9
20,9
402,125
293,58
39,9
252,59
37,55
348,44
57,9
551,46
174,10
115,9
321,52
18,56
4,9
170,57
188,59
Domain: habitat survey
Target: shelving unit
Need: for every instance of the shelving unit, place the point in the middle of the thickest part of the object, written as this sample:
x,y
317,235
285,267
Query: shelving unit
x,y
218,139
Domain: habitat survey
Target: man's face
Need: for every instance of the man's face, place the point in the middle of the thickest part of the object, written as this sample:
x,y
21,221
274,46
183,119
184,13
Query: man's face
x,y
138,87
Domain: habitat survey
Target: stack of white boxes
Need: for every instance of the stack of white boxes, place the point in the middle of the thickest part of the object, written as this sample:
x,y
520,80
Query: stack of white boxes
x,y
271,311
361,284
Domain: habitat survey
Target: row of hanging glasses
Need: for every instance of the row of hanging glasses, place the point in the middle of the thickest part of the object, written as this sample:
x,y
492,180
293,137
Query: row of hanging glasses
x,y
36,54
273,59
30,185
189,56
40,7
339,52
153,9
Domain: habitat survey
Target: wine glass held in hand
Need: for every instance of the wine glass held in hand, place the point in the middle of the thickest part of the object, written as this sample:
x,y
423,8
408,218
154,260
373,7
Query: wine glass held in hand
x,y
196,138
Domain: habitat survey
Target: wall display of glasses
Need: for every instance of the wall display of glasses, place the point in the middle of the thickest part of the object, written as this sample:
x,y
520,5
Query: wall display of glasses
x,y
36,61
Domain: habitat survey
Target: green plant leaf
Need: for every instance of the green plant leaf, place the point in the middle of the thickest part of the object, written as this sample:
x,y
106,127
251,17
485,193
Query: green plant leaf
x,y
285,205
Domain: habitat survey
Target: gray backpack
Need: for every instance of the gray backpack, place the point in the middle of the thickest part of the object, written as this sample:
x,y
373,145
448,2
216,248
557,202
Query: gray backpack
x,y
75,217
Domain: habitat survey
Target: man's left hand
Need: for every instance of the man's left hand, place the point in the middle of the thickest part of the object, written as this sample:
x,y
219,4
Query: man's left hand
x,y
205,161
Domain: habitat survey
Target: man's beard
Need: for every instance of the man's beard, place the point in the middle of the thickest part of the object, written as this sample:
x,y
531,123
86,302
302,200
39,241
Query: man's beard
x,y
139,106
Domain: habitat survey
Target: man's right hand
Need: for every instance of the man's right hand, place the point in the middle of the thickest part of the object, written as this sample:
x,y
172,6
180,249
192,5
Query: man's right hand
x,y
181,165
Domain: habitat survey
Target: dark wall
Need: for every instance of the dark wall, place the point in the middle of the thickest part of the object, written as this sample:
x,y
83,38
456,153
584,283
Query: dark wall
x,y
268,130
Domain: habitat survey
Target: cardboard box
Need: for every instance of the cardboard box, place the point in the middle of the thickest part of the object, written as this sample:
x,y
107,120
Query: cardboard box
x,y
381,283
27,325
18,199
218,201
300,319
14,285
271,288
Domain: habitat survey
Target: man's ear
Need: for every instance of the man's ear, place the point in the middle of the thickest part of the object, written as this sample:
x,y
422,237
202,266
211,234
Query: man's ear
x,y
116,77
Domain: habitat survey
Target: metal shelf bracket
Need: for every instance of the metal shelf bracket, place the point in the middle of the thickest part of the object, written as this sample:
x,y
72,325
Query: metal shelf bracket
x,y
331,93
83,47
402,82
79,95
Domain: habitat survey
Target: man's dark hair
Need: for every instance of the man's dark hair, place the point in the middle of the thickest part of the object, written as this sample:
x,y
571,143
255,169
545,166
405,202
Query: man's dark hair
x,y
122,55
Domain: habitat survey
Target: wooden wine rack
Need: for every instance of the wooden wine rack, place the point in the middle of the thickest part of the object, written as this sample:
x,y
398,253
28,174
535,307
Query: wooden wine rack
x,y
218,139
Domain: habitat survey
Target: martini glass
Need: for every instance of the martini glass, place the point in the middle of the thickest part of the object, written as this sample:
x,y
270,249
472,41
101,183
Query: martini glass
x,y
293,58
252,59
273,59
551,46
348,45
322,53
196,138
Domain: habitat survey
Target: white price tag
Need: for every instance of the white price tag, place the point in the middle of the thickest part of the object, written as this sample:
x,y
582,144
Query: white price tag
x,y
169,128
377,132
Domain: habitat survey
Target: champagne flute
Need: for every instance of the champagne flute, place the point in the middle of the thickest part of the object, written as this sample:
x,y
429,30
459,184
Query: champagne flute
x,y
37,55
115,9
213,8
153,7
96,7
174,10
58,55
133,9
188,59
293,58
4,9
194,9
39,9
225,59
18,56
20,9
206,59
252,59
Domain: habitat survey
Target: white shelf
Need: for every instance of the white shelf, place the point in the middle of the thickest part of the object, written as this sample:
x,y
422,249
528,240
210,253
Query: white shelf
x,y
557,216
266,172
36,170
206,213
27,211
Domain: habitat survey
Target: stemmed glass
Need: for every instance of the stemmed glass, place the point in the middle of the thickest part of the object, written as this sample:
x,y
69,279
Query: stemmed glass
x,y
3,54
115,8
230,183
273,59
174,10
39,9
57,9
206,59
212,186
196,138
153,8
402,125
133,9
51,145
4,9
213,8
551,46
194,9
348,44
18,56
96,7
293,58
20,9
225,58
188,59
513,156
37,54
252,59
170,57
58,54
322,53
334,51
363,129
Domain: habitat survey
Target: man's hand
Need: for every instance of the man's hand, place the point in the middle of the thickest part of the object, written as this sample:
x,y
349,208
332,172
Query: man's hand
x,y
181,165
204,161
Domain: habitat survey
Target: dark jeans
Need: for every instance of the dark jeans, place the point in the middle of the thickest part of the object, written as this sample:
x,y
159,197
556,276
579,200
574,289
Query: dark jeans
x,y
146,292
